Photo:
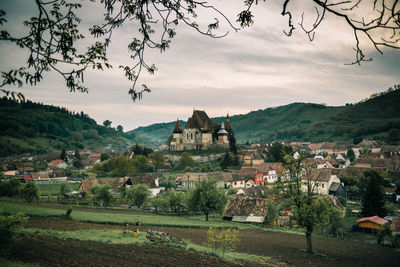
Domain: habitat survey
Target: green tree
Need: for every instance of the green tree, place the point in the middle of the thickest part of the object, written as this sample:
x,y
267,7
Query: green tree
x,y
77,162
120,129
176,200
65,188
186,160
272,211
10,224
138,194
117,166
141,163
104,156
351,155
160,201
222,240
9,187
30,192
232,141
64,156
158,159
102,194
107,123
309,210
226,161
277,151
207,198
373,202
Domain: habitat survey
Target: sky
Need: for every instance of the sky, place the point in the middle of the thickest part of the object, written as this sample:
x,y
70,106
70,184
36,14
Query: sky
x,y
254,68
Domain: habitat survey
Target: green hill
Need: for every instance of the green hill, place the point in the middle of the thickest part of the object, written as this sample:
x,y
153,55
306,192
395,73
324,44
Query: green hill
x,y
37,128
377,117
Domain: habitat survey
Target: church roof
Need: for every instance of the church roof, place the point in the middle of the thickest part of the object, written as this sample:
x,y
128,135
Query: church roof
x,y
228,125
222,131
199,120
177,128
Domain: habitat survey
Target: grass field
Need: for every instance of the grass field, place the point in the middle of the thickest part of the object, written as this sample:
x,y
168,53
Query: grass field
x,y
119,218
54,189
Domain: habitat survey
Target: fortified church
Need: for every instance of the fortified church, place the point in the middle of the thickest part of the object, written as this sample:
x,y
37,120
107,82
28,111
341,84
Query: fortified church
x,y
197,134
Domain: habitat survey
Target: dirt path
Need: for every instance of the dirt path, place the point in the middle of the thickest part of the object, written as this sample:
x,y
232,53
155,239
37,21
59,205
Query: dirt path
x,y
282,246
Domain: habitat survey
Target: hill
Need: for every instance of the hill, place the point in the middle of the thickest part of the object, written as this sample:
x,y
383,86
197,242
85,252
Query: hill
x,y
37,128
377,117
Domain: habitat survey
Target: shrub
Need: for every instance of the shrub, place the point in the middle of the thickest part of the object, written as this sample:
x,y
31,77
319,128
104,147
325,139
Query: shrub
x,y
222,240
30,191
9,226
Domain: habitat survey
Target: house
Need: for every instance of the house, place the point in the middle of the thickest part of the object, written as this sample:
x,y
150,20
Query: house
x,y
115,183
373,222
337,189
322,179
190,179
150,179
245,209
258,179
59,163
271,171
248,160
255,192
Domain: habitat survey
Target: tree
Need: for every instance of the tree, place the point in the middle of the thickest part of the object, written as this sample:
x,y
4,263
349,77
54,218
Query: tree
x,y
107,123
158,160
272,211
65,188
186,160
277,151
30,191
351,155
226,161
52,42
9,187
159,202
104,156
176,200
138,194
141,163
232,141
77,160
120,129
10,224
298,190
373,202
64,156
207,198
102,194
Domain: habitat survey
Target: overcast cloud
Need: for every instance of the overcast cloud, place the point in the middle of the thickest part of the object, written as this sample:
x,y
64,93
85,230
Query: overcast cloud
x,y
253,69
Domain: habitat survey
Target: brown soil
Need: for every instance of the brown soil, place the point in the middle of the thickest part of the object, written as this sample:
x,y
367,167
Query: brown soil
x,y
284,247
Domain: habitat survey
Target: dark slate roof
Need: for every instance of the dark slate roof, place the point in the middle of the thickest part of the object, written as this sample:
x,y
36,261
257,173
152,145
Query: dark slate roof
x,y
334,187
148,179
177,128
228,125
322,175
198,120
244,206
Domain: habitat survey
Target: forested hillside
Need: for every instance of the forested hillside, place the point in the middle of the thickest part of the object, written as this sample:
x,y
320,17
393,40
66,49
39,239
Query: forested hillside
x,y
377,117
34,127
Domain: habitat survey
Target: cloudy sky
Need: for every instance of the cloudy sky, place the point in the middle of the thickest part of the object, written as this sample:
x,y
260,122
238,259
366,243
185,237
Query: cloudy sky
x,y
251,69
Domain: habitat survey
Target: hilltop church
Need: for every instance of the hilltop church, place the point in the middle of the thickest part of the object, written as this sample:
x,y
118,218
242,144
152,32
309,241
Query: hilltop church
x,y
197,134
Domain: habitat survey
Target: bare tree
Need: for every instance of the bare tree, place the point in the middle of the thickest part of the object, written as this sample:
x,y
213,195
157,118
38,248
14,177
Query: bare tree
x,y
53,34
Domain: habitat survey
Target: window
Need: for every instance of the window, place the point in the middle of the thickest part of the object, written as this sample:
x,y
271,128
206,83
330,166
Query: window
x,y
191,135
322,185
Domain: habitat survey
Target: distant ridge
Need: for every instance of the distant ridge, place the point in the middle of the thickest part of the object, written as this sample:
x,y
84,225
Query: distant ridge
x,y
376,117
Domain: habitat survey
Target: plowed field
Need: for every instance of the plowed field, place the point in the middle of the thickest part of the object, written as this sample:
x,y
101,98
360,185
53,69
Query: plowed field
x,y
281,246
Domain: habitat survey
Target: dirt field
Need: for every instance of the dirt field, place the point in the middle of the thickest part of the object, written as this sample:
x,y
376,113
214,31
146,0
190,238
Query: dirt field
x,y
282,246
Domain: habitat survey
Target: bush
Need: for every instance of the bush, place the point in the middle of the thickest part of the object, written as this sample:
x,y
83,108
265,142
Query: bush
x,y
222,240
30,191
9,226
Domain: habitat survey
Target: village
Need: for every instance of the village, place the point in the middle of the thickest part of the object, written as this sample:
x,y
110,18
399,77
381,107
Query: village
x,y
249,175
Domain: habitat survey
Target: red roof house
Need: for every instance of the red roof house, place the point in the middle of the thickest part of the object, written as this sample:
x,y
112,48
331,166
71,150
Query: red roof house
x,y
373,222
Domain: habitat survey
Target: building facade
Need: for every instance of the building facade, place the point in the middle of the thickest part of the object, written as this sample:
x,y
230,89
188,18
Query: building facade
x,y
197,134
